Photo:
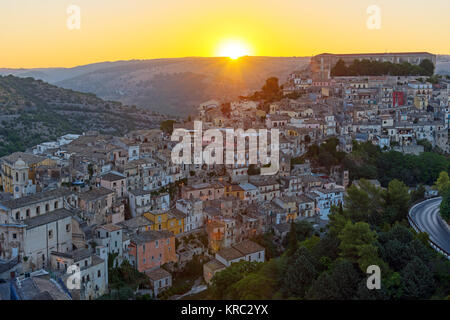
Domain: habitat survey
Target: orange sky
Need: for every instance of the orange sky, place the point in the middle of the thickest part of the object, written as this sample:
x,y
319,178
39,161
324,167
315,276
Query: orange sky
x,y
34,33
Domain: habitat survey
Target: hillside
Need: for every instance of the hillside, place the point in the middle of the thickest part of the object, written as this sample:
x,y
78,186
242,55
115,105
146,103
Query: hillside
x,y
170,86
33,111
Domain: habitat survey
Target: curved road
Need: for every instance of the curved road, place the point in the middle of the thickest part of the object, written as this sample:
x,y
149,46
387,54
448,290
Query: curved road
x,y
426,216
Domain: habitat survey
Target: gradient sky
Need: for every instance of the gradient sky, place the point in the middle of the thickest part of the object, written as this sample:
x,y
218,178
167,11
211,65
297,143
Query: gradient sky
x,y
33,33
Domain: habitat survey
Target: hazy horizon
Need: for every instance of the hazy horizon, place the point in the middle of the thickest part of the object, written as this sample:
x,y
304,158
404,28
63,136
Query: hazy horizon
x,y
193,57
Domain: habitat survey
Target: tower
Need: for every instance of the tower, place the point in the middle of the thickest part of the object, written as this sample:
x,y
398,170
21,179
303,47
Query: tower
x,y
20,178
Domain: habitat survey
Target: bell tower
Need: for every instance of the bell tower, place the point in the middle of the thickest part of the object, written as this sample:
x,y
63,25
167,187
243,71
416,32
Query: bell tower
x,y
20,178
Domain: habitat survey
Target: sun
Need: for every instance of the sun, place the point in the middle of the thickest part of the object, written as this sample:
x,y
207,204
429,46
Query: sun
x,y
233,49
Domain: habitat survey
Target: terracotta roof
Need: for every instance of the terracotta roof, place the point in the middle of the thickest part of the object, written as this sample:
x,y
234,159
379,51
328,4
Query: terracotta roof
x,y
230,254
248,247
157,274
215,265
95,194
150,236
112,177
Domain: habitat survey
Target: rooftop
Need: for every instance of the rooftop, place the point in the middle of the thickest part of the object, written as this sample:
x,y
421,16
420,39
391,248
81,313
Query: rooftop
x,y
35,198
157,274
150,236
215,265
47,218
110,176
95,194
76,255
28,158
248,247
230,254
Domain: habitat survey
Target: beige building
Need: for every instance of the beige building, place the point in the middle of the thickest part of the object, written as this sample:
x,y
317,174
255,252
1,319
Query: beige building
x,y
22,224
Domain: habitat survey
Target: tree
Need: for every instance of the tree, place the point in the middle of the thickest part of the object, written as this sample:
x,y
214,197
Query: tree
x,y
253,170
418,280
363,202
258,285
340,69
397,200
427,66
271,87
224,279
443,182
292,240
445,205
299,274
323,288
358,244
337,220
427,146
418,194
341,284
167,126
398,246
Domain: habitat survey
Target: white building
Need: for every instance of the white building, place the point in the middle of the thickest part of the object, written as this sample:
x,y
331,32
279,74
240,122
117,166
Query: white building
x,y
92,279
110,236
325,198
193,209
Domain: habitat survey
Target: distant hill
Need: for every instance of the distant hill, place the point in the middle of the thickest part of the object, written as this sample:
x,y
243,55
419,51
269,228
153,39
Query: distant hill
x,y
171,86
33,111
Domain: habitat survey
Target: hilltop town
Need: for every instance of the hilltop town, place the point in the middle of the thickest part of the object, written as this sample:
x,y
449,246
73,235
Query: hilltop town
x,y
118,205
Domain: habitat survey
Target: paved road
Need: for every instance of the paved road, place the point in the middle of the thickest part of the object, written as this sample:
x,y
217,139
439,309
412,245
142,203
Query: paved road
x,y
426,216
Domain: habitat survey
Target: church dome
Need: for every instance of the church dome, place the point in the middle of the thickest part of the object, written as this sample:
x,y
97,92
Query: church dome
x,y
19,164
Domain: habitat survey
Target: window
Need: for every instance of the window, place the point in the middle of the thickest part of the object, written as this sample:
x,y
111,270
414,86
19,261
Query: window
x,y
56,205
28,213
38,210
14,235
85,263
17,215
50,234
157,243
99,274
168,241
47,207
68,227
143,247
